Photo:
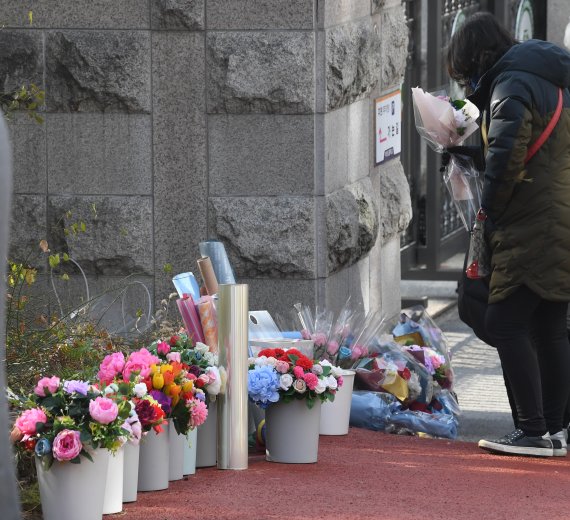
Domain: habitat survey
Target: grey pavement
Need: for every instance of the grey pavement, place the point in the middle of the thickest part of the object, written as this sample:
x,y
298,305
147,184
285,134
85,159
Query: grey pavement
x,y
478,377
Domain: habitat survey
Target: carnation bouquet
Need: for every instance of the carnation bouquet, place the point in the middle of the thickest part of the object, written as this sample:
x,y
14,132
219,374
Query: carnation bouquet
x,y
65,420
279,375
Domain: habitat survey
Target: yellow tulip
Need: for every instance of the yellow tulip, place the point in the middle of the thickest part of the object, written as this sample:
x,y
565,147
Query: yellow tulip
x,y
157,381
188,386
153,369
175,399
165,368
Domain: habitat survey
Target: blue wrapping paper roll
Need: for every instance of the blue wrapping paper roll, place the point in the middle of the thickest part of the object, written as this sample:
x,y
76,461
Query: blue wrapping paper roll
x,y
186,283
291,334
220,261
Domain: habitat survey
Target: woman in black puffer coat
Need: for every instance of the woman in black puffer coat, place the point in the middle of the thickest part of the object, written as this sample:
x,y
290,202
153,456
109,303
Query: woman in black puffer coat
x,y
516,86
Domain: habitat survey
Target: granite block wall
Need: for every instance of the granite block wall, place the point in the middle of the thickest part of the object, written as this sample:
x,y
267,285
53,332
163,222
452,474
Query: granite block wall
x,y
251,121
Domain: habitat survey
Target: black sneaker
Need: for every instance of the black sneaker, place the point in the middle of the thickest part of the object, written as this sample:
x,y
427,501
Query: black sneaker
x,y
517,443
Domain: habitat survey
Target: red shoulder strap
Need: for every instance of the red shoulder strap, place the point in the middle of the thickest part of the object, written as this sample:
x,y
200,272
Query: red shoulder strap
x,y
547,131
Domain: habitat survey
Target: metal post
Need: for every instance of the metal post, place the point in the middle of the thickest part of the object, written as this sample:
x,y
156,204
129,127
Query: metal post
x,y
8,492
232,403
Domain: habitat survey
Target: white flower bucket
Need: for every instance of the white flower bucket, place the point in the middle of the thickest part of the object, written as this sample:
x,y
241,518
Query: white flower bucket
x,y
113,502
207,446
153,461
131,472
72,491
292,432
176,444
190,452
335,415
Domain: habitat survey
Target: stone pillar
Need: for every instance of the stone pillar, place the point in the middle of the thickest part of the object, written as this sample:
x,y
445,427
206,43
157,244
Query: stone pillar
x,y
244,120
293,189
557,19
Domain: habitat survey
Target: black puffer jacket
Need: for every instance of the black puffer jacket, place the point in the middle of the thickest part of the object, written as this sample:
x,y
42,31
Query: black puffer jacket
x,y
528,205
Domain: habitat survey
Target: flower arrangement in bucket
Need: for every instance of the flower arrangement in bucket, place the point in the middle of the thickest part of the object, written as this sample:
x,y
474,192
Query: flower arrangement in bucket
x,y
291,387
64,422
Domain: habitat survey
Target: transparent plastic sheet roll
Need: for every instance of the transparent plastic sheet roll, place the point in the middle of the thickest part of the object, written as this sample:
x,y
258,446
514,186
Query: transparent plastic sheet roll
x,y
220,261
465,185
186,283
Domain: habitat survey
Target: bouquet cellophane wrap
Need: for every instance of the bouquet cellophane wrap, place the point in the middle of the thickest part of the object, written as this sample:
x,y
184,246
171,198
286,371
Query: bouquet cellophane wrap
x,y
439,123
465,185
208,318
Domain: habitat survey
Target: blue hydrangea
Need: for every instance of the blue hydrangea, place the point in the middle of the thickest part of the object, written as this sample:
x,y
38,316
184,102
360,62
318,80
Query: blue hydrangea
x,y
263,385
43,447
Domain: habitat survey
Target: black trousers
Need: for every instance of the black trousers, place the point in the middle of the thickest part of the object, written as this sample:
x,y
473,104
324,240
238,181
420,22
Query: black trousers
x,y
532,341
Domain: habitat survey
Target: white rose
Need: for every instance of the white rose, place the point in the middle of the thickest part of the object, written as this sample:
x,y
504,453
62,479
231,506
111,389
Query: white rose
x,y
321,386
214,387
285,381
317,369
325,363
336,371
332,383
271,361
300,386
261,361
202,348
140,390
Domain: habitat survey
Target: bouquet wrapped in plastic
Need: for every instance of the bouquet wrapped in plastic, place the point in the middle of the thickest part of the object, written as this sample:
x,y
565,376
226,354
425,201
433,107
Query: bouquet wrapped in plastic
x,y
445,124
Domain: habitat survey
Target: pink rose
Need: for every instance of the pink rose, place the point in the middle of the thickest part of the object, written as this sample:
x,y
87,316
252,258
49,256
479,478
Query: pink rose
x,y
26,423
298,372
332,347
66,445
139,362
358,351
51,384
111,366
319,339
311,379
340,381
163,348
173,357
305,334
103,410
282,367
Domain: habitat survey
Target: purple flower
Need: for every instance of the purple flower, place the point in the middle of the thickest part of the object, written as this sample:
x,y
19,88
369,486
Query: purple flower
x,y
79,387
163,400
201,396
194,369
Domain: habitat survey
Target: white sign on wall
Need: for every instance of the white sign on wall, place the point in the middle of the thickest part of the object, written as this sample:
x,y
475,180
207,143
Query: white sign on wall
x,y
388,126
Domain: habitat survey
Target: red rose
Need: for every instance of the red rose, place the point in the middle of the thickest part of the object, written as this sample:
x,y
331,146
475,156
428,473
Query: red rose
x,y
199,382
267,352
174,340
406,374
30,444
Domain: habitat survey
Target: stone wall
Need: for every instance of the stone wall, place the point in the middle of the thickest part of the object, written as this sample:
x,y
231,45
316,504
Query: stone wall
x,y
247,120
557,18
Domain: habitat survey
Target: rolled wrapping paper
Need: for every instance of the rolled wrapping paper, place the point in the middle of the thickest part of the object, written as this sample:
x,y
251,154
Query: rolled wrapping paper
x,y
220,261
186,283
208,275
190,317
209,321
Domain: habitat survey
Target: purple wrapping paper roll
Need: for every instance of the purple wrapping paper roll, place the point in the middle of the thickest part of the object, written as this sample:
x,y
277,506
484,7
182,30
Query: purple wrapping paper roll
x,y
190,318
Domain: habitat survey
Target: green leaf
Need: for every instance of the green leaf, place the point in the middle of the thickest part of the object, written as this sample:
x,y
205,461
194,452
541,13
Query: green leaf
x,y
65,277
167,268
76,460
65,257
54,260
293,358
86,455
85,437
83,226
326,370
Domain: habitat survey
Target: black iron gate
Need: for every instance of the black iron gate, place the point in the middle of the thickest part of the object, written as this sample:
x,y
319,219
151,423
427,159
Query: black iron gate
x,y
432,247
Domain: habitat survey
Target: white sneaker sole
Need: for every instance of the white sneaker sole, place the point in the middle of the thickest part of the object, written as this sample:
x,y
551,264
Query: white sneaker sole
x,y
516,450
561,452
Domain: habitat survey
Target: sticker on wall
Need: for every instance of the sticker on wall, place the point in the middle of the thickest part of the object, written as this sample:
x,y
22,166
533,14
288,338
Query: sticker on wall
x,y
388,126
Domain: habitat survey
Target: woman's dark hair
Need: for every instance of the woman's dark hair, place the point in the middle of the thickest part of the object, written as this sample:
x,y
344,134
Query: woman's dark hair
x,y
476,46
